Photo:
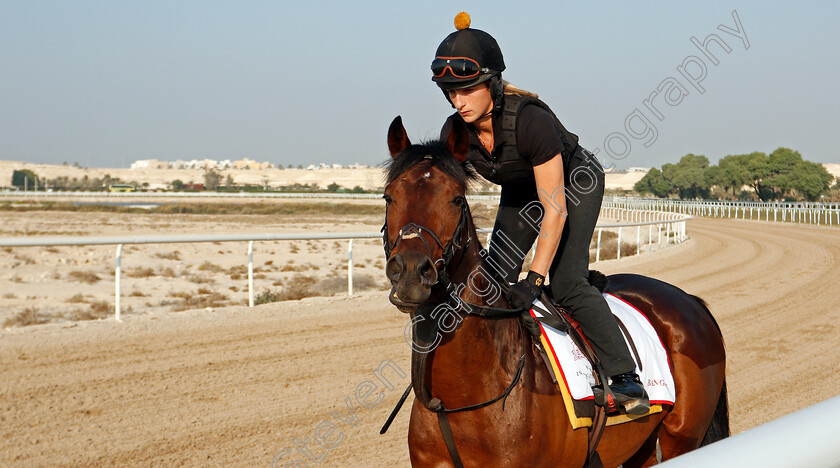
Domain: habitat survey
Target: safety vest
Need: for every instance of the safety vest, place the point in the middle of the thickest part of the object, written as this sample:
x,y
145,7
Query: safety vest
x,y
505,166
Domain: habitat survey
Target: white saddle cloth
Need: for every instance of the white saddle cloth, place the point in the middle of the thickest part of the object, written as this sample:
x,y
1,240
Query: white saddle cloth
x,y
576,371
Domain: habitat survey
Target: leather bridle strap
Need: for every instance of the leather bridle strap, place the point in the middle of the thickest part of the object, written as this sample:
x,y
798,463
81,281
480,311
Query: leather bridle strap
x,y
436,405
396,410
411,230
446,431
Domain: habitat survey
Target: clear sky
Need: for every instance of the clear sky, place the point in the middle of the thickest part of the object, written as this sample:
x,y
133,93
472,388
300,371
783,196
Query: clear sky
x,y
104,83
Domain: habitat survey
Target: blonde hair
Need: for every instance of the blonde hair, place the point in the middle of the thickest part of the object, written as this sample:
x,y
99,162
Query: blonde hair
x,y
509,88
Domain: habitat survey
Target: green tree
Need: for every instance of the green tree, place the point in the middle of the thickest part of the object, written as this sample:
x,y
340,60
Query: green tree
x,y
333,187
654,182
689,176
177,184
811,180
24,178
731,174
212,179
229,181
781,164
758,169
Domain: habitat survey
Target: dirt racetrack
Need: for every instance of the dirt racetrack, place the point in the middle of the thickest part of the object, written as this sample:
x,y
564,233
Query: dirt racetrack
x,y
238,386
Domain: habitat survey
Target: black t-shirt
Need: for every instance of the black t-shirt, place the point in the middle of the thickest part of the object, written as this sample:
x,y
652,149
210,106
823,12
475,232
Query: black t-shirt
x,y
537,138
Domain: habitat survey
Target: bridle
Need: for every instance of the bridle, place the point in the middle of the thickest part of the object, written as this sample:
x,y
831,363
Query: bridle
x,y
555,319
412,230
419,360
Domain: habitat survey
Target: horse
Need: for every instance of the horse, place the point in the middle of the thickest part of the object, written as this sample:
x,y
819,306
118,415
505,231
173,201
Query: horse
x,y
509,411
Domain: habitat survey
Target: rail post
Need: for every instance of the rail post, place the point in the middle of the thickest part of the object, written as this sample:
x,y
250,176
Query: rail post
x,y
117,274
250,273
638,240
598,246
350,267
650,238
659,236
618,247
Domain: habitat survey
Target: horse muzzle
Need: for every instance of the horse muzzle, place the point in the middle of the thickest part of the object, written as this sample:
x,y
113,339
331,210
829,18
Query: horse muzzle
x,y
412,276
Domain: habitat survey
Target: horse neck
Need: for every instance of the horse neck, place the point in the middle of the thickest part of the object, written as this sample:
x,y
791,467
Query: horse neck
x,y
474,352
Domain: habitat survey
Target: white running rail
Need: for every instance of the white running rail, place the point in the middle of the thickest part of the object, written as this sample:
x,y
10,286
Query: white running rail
x,y
673,225
806,437
787,212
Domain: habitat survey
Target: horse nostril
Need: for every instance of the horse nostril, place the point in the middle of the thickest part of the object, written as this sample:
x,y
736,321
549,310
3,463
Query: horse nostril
x,y
428,272
395,267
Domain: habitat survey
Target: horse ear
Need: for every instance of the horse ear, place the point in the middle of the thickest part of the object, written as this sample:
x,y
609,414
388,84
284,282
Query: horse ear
x,y
458,142
397,138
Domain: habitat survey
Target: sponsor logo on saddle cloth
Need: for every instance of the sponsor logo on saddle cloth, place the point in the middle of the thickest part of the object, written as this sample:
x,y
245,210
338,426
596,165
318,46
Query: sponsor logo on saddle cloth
x,y
574,373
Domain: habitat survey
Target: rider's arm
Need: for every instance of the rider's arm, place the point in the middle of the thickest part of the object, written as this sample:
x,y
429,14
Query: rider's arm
x,y
549,177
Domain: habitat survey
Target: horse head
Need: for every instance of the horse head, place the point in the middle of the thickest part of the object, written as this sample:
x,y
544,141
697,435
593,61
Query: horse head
x,y
427,216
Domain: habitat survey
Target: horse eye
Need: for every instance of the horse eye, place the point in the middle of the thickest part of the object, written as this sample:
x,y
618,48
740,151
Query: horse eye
x,y
387,199
459,201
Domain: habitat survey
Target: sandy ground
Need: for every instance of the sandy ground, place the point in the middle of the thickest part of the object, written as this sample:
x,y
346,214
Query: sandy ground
x,y
236,386
53,284
64,282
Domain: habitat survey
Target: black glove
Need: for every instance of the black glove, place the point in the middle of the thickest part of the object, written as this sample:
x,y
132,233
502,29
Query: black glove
x,y
522,294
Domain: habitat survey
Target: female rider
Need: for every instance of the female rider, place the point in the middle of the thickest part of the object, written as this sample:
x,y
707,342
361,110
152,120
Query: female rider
x,y
518,143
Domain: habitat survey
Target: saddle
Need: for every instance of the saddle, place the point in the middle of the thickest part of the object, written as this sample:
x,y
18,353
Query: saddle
x,y
559,318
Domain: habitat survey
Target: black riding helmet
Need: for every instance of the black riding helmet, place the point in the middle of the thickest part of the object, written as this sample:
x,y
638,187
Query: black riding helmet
x,y
466,58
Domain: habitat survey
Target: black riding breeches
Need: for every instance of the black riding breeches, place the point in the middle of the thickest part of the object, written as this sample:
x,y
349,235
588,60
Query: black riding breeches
x,y
515,230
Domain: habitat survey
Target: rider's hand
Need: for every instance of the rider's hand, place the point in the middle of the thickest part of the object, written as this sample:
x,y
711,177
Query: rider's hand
x,y
522,294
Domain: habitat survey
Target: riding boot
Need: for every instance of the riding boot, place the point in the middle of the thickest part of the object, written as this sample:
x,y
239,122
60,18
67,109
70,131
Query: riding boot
x,y
628,391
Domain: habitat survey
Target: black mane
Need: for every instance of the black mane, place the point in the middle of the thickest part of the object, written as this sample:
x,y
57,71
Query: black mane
x,y
437,155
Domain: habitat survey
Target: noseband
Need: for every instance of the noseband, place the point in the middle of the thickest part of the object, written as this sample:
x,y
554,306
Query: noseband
x,y
412,230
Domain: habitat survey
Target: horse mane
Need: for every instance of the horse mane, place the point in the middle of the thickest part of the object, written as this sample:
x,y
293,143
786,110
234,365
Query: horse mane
x,y
438,156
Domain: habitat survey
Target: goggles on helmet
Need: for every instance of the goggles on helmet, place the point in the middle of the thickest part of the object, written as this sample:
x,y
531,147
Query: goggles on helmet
x,y
459,67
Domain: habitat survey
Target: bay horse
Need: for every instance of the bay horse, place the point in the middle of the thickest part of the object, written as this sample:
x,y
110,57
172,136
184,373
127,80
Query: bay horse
x,y
513,413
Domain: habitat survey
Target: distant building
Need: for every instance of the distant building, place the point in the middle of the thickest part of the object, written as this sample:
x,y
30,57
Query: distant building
x,y
208,164
251,164
149,164
639,169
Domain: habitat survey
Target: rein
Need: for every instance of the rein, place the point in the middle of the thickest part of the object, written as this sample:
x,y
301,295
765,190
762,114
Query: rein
x,y
419,360
412,230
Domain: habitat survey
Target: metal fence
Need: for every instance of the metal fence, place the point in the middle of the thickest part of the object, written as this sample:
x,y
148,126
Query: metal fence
x,y
790,212
127,196
796,212
673,225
